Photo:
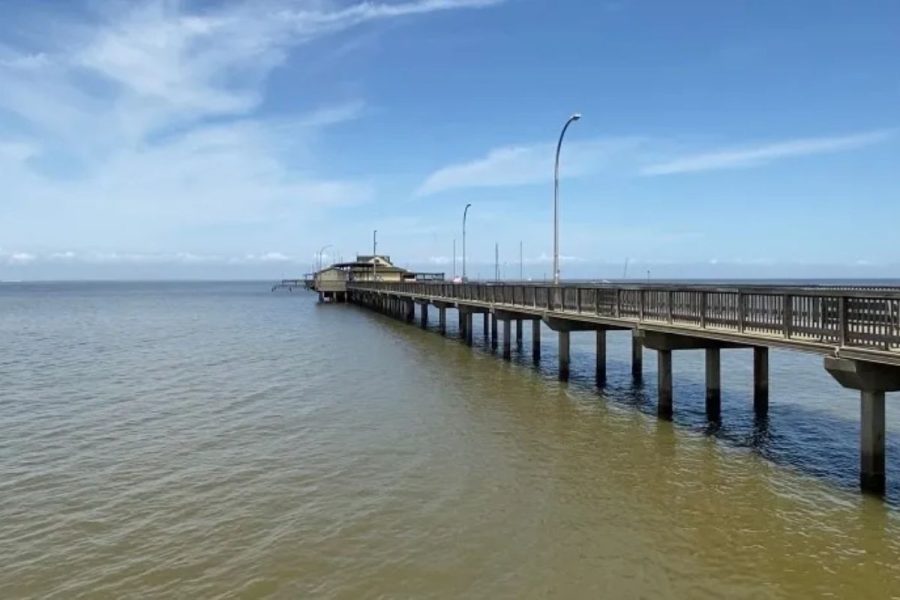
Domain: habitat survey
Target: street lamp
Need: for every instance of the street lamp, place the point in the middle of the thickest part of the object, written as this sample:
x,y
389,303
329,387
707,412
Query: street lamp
x,y
465,213
324,248
375,255
571,120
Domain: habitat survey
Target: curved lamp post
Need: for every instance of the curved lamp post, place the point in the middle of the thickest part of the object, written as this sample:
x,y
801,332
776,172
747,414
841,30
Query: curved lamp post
x,y
323,249
465,213
571,120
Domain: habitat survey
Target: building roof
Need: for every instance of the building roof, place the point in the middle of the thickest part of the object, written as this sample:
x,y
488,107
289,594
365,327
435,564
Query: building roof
x,y
368,258
368,267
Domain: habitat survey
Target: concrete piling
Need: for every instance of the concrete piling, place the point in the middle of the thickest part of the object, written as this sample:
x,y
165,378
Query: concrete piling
x,y
601,357
564,355
637,357
761,380
507,341
664,383
713,384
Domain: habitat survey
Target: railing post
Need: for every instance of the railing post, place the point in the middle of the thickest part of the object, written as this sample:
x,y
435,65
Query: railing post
x,y
787,311
703,309
843,325
740,312
641,305
669,309
618,307
578,296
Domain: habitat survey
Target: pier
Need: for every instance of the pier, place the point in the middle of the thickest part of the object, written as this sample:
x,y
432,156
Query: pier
x,y
856,330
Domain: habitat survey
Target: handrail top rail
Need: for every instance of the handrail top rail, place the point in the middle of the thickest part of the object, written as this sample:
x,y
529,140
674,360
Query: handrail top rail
x,y
873,292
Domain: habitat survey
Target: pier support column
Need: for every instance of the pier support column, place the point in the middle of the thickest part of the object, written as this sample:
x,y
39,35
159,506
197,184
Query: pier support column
x,y
564,355
761,380
518,333
536,340
469,320
871,442
410,311
664,383
507,339
442,320
424,308
487,325
713,384
494,332
637,357
872,380
601,357
462,323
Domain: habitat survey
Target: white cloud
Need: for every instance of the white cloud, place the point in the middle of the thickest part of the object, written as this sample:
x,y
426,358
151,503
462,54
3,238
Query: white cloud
x,y
760,155
144,123
531,164
20,258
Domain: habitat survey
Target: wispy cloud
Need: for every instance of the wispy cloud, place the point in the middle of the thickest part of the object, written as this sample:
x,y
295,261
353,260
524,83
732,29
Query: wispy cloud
x,y
531,164
144,121
628,155
753,156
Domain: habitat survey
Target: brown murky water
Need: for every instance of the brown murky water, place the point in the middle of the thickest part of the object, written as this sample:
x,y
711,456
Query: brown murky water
x,y
218,441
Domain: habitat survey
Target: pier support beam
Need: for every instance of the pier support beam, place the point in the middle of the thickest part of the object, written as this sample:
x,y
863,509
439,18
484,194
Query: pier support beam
x,y
423,307
565,327
564,355
518,333
713,384
664,383
487,321
664,344
536,340
761,380
601,357
469,328
872,380
637,357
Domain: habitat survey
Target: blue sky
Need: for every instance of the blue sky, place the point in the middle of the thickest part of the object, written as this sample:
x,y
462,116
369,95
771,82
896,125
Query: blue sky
x,y
206,139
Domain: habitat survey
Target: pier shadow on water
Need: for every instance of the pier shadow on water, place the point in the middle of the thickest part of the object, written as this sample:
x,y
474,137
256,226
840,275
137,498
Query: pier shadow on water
x,y
812,426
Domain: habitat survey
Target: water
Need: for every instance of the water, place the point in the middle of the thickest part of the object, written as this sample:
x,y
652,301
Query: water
x,y
221,441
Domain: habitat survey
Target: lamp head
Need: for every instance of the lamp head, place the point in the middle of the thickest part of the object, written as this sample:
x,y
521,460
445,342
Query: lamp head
x,y
576,116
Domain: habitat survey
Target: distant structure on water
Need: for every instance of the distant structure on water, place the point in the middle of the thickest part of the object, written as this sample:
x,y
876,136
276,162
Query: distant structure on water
x,y
331,282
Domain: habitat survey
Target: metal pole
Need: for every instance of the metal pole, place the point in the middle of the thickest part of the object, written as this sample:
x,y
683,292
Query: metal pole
x,y
521,262
562,134
323,249
454,258
375,255
496,262
465,213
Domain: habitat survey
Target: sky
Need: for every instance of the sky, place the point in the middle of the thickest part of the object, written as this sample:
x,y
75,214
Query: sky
x,y
201,139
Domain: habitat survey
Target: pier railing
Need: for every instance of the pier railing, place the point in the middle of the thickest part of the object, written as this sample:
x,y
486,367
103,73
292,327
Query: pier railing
x,y
859,317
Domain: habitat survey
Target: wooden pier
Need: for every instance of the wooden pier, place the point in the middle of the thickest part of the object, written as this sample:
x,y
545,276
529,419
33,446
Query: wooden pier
x,y
857,330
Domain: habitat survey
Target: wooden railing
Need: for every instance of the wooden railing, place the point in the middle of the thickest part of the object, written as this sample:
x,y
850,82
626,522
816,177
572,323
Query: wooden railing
x,y
860,317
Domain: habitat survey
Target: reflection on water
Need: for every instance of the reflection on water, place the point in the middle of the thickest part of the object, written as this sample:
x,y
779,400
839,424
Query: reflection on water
x,y
207,440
